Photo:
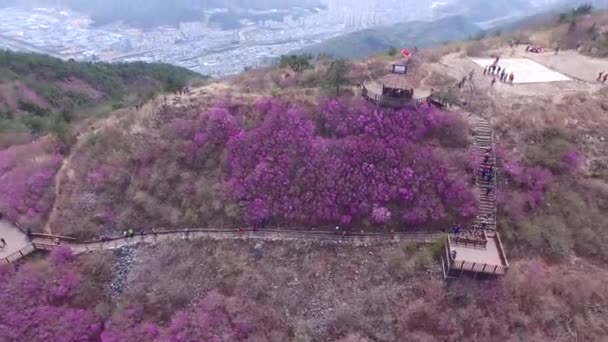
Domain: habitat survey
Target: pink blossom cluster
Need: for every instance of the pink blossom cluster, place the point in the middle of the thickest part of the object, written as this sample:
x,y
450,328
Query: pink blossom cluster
x,y
340,165
37,306
26,179
35,303
525,187
571,160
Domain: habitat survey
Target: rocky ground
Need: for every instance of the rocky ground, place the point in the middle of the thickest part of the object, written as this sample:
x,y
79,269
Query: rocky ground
x,y
311,286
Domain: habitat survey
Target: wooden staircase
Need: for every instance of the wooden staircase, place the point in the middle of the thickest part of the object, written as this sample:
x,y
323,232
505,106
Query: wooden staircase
x,y
484,142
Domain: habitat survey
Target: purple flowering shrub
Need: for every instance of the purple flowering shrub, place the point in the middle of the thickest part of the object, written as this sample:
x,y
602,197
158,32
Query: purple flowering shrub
x,y
36,303
26,181
571,160
352,159
381,215
524,187
276,163
213,318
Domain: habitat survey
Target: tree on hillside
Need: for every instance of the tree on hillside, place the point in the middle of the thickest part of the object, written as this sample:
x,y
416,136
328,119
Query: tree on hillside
x,y
392,51
61,130
297,63
336,75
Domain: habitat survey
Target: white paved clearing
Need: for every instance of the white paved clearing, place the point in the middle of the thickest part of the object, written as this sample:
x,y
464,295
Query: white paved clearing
x,y
525,70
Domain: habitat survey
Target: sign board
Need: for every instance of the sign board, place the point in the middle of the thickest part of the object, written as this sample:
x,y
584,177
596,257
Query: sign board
x,y
399,69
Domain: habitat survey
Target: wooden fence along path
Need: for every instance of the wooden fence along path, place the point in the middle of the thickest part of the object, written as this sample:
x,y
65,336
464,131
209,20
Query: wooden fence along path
x,y
41,242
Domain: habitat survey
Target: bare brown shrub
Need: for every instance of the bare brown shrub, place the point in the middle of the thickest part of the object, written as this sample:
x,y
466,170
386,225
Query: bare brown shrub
x,y
476,49
432,56
92,291
378,68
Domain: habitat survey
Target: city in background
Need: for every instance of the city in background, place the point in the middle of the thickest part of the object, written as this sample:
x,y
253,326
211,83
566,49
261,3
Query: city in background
x,y
220,41
202,46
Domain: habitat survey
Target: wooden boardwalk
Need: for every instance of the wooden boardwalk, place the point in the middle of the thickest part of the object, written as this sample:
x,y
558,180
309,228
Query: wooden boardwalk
x,y
15,238
488,257
336,237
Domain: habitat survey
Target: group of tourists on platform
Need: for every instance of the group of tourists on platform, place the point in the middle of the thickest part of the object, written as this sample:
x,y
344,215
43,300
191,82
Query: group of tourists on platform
x,y
499,72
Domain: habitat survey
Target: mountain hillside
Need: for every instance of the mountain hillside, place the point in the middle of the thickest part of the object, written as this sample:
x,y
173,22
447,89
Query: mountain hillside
x,y
38,93
419,34
284,204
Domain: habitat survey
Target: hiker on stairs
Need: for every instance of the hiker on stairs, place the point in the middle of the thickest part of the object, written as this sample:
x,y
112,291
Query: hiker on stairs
x,y
486,157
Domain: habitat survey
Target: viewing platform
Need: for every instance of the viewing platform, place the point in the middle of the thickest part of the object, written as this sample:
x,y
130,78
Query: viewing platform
x,y
474,252
394,91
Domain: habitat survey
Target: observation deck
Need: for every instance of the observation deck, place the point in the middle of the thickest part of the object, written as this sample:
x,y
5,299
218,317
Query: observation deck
x,y
474,252
394,91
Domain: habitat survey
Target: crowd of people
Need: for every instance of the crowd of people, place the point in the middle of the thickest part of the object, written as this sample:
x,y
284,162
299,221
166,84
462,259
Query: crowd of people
x,y
499,73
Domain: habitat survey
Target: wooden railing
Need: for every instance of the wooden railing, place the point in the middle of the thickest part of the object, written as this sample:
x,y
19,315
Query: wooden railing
x,y
466,266
117,241
477,267
52,236
391,101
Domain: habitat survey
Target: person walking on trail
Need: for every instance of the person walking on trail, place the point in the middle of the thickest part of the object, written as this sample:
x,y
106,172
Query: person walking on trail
x,y
485,70
462,82
493,81
557,50
471,74
605,78
484,173
131,232
3,242
486,157
498,70
488,191
599,76
511,78
490,176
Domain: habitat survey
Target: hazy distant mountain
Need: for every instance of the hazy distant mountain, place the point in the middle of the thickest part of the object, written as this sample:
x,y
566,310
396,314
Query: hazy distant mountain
x,y
460,19
480,10
411,34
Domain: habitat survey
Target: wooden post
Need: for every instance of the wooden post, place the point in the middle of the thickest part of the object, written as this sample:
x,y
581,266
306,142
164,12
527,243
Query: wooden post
x,y
21,253
484,267
495,268
473,266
